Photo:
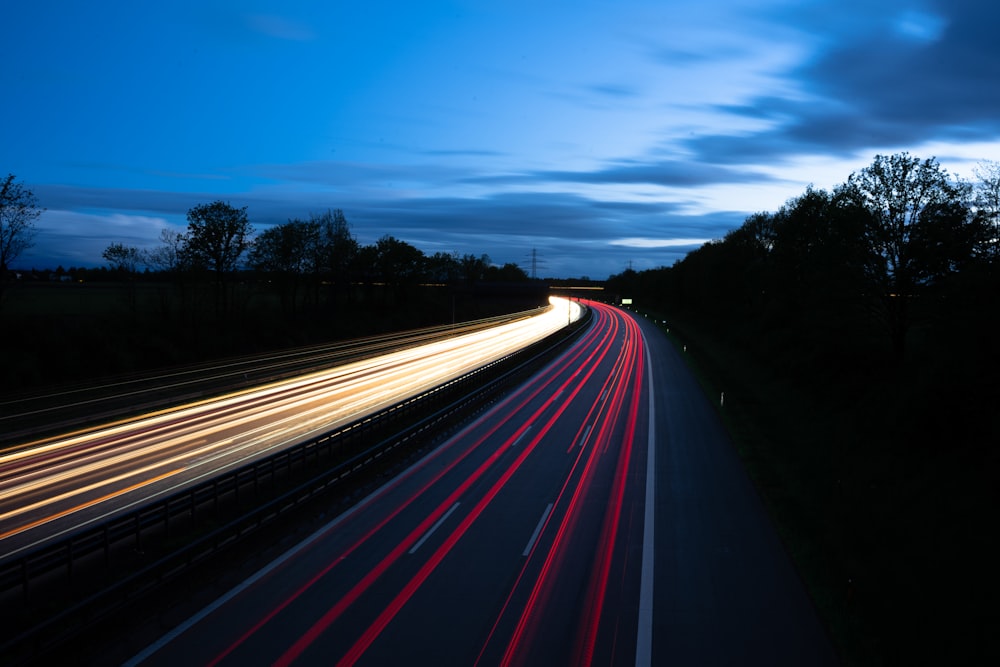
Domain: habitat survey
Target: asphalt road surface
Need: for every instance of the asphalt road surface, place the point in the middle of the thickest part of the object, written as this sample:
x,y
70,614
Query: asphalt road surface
x,y
598,515
51,488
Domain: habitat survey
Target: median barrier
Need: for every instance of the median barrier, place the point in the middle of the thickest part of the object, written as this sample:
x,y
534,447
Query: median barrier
x,y
59,589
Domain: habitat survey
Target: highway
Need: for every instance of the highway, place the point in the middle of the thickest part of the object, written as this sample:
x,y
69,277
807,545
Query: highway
x,y
597,515
54,487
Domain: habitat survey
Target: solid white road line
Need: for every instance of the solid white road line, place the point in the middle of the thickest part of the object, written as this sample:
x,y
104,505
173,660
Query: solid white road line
x,y
644,636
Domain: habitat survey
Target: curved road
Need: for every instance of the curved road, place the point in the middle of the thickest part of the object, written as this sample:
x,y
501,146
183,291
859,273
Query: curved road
x,y
598,515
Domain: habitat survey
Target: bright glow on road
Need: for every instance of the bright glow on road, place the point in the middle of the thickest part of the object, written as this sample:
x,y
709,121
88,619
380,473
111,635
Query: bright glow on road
x,y
49,482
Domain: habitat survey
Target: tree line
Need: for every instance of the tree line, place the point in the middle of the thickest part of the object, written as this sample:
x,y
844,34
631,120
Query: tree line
x,y
853,332
220,288
894,273
220,242
298,256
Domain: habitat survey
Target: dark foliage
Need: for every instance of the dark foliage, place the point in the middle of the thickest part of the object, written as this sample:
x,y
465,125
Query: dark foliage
x,y
306,282
856,332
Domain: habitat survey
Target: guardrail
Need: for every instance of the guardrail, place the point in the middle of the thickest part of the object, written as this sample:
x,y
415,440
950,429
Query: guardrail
x,y
59,589
57,410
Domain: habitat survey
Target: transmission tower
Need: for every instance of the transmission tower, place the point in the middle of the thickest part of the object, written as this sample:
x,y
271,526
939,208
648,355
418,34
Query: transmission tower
x,y
535,263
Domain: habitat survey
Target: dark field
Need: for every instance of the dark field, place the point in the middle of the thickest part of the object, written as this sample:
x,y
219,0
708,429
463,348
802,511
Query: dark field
x,y
54,333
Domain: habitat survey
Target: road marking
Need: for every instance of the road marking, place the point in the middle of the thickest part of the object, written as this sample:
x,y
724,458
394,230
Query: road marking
x,y
521,437
436,525
644,636
538,529
586,434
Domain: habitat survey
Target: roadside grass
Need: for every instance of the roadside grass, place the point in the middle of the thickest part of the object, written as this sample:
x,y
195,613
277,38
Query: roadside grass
x,y
895,545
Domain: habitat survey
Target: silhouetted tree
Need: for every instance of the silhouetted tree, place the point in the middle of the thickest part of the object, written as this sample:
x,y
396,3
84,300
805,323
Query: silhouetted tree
x,y
169,260
509,272
474,268
818,254
288,253
336,249
903,201
125,260
218,236
18,212
169,255
987,200
444,267
745,265
398,263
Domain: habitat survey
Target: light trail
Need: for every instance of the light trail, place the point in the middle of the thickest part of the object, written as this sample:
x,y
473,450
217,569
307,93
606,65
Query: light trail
x,y
449,504
58,478
608,414
342,596
90,503
389,612
581,356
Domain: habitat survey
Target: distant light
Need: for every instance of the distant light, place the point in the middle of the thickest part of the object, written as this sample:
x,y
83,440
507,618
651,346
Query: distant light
x,y
626,302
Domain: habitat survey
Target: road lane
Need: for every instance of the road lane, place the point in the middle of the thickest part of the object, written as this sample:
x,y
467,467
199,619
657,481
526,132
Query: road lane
x,y
542,536
361,592
726,591
55,487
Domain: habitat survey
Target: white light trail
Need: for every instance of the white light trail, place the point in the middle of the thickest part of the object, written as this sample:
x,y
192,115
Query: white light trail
x,y
233,429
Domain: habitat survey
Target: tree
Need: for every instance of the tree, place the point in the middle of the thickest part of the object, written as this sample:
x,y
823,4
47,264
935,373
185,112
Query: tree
x,y
336,248
747,250
903,202
287,251
474,268
18,212
987,200
218,236
508,273
444,267
169,255
398,263
123,259
817,255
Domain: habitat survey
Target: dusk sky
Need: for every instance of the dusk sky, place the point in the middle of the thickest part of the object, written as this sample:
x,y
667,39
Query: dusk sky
x,y
603,134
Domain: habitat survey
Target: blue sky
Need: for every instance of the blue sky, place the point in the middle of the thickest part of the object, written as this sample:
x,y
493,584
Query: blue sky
x,y
602,134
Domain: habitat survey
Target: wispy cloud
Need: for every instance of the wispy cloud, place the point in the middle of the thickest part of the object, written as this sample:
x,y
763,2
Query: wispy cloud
x,y
280,27
608,134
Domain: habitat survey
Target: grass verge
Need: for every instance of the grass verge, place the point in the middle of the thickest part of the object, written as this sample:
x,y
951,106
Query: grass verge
x,y
895,545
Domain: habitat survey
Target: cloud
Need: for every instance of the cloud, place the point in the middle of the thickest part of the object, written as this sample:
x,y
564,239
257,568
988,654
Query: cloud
x,y
73,239
616,90
668,173
903,77
280,27
920,25
79,198
575,235
659,243
464,153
